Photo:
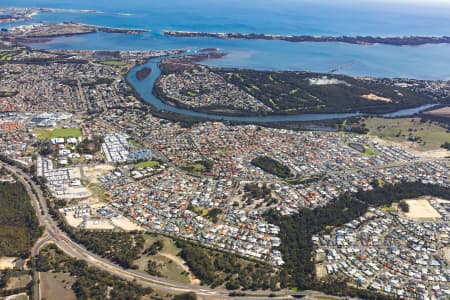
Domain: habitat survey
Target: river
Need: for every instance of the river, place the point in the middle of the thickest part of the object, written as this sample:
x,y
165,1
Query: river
x,y
145,87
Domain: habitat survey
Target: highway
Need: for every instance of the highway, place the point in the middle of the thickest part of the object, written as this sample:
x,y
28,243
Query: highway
x,y
73,249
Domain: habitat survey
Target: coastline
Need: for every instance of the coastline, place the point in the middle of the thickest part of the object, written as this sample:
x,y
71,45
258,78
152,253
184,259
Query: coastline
x,y
358,40
46,32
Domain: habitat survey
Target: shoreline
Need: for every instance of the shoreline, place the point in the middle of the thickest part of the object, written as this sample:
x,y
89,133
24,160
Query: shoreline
x,y
358,40
66,29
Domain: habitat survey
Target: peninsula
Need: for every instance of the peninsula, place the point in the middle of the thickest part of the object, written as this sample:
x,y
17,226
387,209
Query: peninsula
x,y
38,31
360,40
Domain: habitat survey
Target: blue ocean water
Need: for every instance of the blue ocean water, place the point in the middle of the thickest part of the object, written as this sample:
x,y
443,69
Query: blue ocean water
x,y
319,17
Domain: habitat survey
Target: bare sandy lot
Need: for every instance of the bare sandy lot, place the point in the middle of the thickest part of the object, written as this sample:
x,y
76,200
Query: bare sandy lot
x,y
53,288
421,210
125,224
441,112
446,254
92,173
21,296
99,224
71,220
7,262
17,282
374,97
76,193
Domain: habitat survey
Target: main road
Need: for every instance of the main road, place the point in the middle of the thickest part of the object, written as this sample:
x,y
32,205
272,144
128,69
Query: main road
x,y
75,250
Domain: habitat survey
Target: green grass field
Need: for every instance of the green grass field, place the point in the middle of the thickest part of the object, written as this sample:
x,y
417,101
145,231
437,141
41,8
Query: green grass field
x,y
367,150
97,191
147,164
114,63
43,134
9,55
430,136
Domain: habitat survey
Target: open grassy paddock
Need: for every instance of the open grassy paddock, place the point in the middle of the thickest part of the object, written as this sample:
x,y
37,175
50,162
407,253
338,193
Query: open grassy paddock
x,y
170,265
147,164
56,286
427,136
114,63
43,134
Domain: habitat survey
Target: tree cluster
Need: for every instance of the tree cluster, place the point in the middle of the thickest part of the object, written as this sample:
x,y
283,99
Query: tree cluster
x,y
272,166
91,283
19,226
120,247
216,268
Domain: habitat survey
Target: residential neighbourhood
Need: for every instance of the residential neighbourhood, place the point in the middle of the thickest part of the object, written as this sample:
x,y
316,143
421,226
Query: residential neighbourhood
x,y
112,166
388,252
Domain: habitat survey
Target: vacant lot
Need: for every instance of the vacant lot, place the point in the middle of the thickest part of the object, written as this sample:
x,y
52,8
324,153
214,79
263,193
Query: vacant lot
x,y
170,265
56,286
420,136
21,296
93,172
19,281
421,210
446,251
440,112
7,262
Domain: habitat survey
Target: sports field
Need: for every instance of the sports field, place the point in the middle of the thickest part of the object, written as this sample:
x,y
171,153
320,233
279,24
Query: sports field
x,y
44,134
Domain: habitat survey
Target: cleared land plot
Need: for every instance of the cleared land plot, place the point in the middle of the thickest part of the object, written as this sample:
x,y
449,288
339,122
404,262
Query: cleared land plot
x,y
56,286
19,281
7,262
125,224
446,251
421,210
58,133
92,173
429,136
440,112
21,296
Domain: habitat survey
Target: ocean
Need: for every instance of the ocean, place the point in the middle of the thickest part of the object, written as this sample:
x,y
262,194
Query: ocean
x,y
319,17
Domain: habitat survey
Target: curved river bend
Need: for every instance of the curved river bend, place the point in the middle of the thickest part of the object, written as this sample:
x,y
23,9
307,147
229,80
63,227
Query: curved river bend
x,y
145,87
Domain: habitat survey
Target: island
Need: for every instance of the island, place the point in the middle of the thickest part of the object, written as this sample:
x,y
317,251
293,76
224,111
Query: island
x,y
360,40
143,73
